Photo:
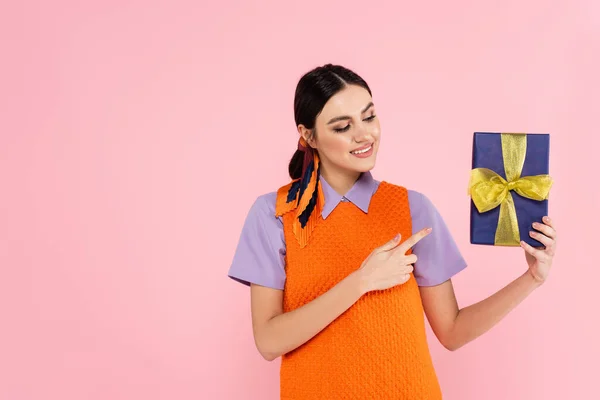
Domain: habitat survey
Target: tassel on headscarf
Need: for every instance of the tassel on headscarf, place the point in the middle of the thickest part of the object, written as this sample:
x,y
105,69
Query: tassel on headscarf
x,y
303,195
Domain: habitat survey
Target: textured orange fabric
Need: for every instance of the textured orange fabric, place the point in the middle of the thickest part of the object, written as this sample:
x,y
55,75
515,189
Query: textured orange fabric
x,y
378,348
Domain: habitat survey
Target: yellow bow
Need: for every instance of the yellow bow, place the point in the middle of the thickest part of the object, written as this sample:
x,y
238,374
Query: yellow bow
x,y
489,190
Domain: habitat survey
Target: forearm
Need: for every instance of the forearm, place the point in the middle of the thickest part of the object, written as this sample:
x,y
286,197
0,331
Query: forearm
x,y
476,319
287,331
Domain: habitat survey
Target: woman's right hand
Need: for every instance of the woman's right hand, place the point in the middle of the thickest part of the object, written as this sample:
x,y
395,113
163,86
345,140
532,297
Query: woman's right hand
x,y
389,265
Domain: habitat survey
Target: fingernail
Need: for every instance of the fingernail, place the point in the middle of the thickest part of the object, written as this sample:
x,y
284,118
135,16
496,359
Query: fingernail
x,y
547,219
396,237
428,230
531,233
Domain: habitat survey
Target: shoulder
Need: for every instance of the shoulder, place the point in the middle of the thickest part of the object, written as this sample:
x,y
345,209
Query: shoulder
x,y
419,203
264,205
275,203
422,210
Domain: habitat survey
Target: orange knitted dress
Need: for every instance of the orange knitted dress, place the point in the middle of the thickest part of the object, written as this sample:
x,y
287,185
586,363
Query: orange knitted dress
x,y
378,348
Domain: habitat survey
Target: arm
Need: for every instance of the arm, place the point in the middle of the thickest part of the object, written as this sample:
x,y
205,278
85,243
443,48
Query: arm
x,y
455,327
276,332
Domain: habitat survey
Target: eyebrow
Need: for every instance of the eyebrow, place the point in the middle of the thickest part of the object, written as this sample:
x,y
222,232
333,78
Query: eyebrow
x,y
342,117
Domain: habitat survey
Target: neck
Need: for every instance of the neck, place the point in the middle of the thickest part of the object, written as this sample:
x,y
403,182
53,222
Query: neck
x,y
340,181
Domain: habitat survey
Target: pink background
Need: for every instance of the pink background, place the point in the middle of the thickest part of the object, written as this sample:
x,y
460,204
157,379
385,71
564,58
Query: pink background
x,y
135,135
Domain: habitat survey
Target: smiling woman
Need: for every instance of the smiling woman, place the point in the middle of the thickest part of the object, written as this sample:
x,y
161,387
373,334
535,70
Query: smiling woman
x,y
343,268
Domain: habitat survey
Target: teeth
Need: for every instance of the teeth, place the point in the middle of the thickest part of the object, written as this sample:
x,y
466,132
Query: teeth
x,y
361,151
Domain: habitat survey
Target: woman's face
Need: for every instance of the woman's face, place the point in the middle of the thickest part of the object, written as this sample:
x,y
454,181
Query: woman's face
x,y
347,132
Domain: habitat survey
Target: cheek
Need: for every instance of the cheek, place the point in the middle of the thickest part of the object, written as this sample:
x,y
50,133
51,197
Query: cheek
x,y
376,130
336,145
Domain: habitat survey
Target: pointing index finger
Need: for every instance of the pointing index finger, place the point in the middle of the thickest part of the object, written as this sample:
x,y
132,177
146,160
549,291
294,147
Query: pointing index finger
x,y
414,239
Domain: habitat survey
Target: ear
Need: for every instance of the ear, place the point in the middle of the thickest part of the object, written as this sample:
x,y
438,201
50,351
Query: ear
x,y
308,135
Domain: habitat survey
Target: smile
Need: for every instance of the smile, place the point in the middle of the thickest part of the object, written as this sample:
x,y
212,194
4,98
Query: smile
x,y
361,151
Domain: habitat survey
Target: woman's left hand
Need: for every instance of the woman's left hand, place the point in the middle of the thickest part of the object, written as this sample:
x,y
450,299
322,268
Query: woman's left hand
x,y
539,259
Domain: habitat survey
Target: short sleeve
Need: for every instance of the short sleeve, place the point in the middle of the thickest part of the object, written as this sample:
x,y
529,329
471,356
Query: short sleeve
x,y
438,257
260,254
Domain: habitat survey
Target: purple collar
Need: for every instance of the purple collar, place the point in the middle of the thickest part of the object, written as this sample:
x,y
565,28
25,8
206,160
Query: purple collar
x,y
360,194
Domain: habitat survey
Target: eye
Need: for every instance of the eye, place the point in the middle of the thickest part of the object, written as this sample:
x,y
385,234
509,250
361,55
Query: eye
x,y
344,129
371,118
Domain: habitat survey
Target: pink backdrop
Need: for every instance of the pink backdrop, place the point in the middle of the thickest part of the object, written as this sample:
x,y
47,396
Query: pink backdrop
x,y
135,135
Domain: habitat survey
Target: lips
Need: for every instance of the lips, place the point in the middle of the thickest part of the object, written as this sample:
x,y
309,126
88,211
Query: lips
x,y
363,147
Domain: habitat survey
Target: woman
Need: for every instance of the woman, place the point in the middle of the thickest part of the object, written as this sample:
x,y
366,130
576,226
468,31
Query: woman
x,y
342,267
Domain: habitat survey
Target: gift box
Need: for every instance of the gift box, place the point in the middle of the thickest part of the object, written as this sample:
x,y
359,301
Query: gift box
x,y
509,187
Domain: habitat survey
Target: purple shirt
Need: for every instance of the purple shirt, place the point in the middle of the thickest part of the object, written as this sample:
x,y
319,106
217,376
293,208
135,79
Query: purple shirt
x,y
260,253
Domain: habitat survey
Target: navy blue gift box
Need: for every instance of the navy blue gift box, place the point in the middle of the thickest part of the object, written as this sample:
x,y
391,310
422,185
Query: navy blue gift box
x,y
490,151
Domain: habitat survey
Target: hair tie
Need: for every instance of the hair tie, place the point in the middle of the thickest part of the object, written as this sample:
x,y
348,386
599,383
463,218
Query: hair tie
x,y
302,145
309,154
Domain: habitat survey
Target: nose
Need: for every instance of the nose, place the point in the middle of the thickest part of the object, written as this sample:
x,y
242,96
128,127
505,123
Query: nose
x,y
362,135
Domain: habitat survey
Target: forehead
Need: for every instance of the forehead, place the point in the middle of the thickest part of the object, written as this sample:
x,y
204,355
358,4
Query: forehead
x,y
348,101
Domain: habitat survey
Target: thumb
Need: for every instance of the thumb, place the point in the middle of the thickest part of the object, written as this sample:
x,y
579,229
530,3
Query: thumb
x,y
391,244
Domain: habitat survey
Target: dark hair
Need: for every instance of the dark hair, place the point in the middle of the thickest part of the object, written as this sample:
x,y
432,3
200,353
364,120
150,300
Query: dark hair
x,y
314,89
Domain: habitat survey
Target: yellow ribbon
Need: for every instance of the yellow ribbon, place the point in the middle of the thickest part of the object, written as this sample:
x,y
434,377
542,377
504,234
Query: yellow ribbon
x,y
489,190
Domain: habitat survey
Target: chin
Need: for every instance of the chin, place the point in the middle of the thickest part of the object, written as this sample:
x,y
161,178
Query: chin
x,y
364,166
368,168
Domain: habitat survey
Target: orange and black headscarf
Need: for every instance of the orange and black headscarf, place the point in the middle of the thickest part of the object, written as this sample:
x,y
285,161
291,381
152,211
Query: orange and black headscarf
x,y
303,195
